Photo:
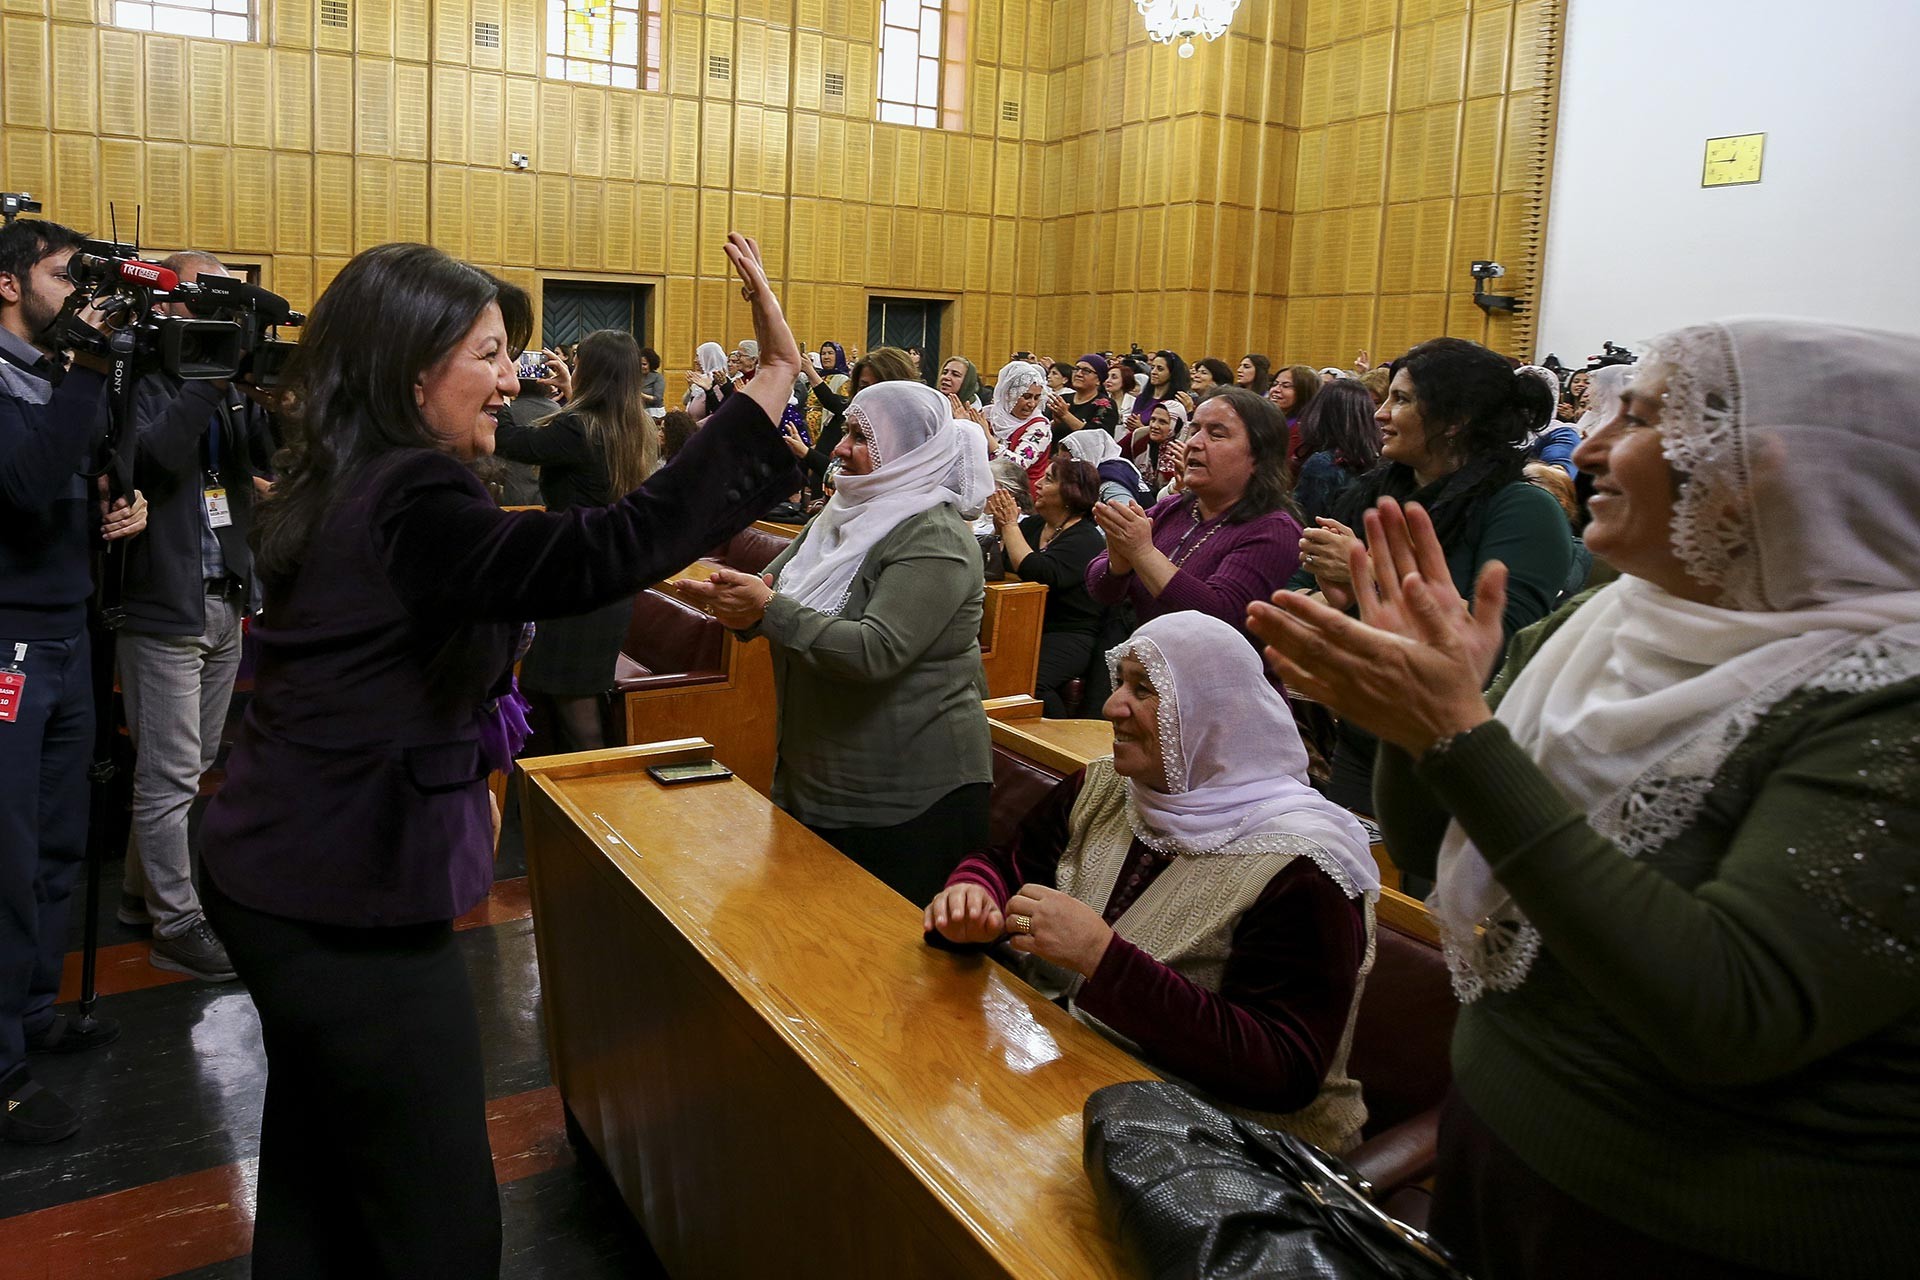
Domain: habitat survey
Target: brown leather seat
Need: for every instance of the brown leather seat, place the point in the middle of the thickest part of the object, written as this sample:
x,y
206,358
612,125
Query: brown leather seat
x,y
750,551
1400,1057
1019,785
668,643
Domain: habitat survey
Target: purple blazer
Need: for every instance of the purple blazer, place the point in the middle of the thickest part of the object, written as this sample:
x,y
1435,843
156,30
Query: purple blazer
x,y
356,791
1222,567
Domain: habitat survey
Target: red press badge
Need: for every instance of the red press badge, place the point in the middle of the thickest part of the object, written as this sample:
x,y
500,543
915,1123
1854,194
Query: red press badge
x,y
13,685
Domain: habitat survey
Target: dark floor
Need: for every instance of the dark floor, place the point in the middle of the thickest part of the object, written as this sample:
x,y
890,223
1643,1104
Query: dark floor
x,y
159,1180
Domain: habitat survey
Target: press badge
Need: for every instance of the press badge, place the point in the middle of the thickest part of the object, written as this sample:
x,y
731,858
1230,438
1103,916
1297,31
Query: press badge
x,y
219,515
13,686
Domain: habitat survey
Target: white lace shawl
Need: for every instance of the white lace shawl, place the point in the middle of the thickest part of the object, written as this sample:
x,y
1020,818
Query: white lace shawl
x,y
1236,770
1812,533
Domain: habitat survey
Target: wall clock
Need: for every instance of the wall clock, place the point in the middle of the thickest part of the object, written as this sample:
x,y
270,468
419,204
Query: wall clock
x,y
1733,161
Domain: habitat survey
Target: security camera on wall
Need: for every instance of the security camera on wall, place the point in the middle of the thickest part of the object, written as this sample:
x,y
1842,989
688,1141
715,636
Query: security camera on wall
x,y
1484,270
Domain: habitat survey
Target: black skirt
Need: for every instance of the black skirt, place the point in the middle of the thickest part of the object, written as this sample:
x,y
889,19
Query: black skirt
x,y
574,657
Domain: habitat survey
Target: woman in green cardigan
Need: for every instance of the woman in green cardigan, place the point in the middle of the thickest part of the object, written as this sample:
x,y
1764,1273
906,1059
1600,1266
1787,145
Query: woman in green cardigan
x,y
874,618
1678,840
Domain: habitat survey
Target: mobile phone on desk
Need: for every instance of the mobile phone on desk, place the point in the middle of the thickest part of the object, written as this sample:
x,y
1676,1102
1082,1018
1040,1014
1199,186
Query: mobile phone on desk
x,y
672,775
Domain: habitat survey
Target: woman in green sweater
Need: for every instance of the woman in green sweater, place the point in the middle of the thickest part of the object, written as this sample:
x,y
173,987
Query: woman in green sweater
x,y
874,617
1677,842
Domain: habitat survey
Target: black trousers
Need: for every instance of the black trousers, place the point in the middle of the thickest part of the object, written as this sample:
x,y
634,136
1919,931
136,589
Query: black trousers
x,y
44,753
374,1158
1064,656
915,857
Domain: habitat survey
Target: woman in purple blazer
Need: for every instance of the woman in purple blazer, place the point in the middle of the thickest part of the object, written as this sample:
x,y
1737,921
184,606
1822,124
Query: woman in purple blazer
x,y
354,825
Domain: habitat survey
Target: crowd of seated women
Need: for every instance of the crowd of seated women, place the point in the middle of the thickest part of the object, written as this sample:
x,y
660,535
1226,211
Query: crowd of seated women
x,y
1667,825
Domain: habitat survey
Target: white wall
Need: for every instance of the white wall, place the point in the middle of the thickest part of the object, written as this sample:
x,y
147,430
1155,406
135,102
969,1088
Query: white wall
x,y
1635,245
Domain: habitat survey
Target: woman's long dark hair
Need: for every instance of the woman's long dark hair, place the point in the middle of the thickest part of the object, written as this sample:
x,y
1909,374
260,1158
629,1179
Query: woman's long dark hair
x,y
387,317
1339,420
1271,486
1179,377
1477,409
606,398
1262,374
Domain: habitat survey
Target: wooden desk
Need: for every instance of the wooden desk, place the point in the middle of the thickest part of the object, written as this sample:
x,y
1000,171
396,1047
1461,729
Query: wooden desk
x,y
781,1076
1066,746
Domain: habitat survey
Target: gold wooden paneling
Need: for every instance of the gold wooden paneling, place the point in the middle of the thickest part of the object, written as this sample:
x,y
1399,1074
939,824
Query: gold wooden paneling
x,y
74,77
210,184
334,103
373,202
253,201
1319,175
333,204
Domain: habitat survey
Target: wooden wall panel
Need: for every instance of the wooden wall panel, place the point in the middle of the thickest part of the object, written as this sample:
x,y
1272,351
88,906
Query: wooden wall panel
x,y
1320,175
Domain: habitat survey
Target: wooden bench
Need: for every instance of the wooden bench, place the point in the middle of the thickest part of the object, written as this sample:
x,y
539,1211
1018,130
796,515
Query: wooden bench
x,y
781,1077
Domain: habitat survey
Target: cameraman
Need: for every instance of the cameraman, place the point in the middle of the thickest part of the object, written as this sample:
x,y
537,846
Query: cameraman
x,y
197,447
49,418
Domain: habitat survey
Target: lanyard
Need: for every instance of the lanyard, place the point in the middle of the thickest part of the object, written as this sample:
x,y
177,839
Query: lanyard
x,y
213,444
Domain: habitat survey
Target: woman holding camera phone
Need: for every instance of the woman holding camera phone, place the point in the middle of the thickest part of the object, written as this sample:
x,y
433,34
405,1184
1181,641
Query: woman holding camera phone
x,y
354,825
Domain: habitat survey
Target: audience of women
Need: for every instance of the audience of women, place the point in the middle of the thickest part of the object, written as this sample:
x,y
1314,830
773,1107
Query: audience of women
x,y
1677,842
1119,387
1451,429
1209,375
1292,391
959,379
1087,408
1551,442
1166,443
1255,374
1192,896
1229,538
1167,378
873,614
1054,546
1340,442
653,383
712,364
1120,481
1600,396
882,364
603,444
353,826
1020,432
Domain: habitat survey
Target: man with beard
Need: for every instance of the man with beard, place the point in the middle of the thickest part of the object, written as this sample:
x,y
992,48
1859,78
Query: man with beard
x,y
49,415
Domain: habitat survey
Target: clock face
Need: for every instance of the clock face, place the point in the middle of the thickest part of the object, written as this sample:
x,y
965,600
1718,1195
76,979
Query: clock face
x,y
1733,161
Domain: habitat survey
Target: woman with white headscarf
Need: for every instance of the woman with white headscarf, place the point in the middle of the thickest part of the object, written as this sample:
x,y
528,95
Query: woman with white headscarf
x,y
873,613
1552,442
1119,479
1601,399
1192,897
707,382
1020,431
1677,840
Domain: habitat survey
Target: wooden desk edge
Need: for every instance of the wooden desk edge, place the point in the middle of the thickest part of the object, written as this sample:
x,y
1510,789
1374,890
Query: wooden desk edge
x,y
833,1069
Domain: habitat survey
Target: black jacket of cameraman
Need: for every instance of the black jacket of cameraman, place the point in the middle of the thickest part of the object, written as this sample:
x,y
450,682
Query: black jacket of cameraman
x,y
46,506
174,423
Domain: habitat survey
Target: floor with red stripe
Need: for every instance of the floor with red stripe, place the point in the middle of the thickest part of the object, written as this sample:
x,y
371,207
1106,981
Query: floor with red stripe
x,y
159,1181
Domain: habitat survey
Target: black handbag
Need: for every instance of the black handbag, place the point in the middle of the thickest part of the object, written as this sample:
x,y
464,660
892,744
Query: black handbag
x,y
1200,1194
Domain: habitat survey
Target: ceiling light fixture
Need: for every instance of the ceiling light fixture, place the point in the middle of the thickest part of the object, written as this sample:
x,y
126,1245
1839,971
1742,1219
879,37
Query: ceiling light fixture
x,y
1182,20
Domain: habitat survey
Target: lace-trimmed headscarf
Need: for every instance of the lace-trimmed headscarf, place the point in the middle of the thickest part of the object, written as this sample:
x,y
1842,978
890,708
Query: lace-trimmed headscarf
x,y
1604,388
1014,379
922,457
1236,770
1797,461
